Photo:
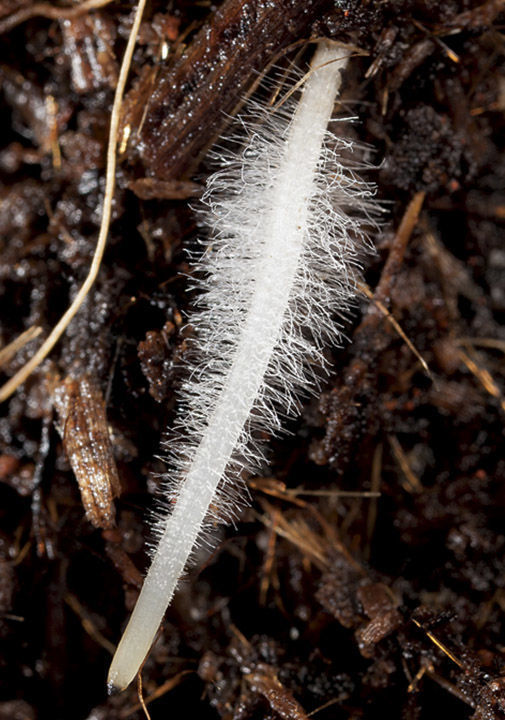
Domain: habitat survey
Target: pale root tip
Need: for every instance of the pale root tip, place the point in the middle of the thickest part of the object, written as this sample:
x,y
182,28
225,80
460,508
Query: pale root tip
x,y
115,683
113,689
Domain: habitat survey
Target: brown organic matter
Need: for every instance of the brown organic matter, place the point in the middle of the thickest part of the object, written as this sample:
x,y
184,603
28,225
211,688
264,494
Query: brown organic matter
x,y
367,580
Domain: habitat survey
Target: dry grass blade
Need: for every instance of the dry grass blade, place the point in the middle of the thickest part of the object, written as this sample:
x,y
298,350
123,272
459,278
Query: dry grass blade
x,y
439,644
159,692
483,376
418,677
319,709
412,484
8,352
396,325
268,564
276,488
110,182
491,343
372,508
334,493
88,625
299,533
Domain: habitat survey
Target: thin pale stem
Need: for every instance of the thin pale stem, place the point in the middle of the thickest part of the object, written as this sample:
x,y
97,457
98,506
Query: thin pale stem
x,y
283,233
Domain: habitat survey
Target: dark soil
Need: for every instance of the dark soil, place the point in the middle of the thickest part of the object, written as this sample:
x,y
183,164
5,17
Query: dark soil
x,y
337,604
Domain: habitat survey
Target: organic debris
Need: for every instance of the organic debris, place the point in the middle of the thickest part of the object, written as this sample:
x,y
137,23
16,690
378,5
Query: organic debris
x,y
368,577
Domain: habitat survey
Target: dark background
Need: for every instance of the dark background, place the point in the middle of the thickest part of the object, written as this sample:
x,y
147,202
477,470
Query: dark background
x,y
364,607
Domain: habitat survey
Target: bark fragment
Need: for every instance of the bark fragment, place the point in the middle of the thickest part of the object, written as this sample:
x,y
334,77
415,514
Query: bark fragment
x,y
82,424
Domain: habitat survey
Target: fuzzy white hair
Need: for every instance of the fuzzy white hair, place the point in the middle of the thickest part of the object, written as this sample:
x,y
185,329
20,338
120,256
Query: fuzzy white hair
x,y
286,218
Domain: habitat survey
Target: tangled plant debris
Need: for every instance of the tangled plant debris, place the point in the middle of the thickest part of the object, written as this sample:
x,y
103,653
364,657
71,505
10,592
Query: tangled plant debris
x,y
368,575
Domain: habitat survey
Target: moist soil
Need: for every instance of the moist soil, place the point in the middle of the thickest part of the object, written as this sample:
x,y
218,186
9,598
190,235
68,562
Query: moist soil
x,y
366,578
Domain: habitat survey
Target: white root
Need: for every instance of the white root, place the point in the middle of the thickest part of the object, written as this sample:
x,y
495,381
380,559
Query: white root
x,y
286,223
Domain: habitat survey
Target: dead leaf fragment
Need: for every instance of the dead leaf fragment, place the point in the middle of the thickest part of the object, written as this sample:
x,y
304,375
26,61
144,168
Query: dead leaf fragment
x,y
264,681
82,424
